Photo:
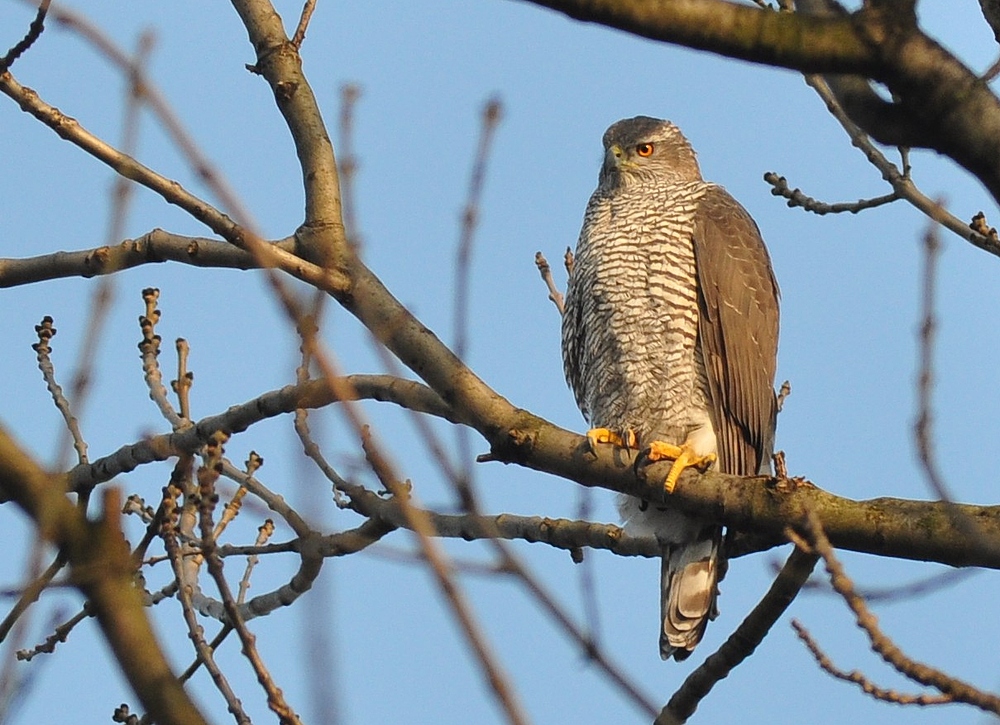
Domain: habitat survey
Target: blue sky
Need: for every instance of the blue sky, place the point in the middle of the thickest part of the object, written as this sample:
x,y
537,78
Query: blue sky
x,y
850,293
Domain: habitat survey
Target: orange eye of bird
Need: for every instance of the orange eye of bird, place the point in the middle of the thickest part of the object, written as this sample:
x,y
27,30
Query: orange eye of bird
x,y
644,149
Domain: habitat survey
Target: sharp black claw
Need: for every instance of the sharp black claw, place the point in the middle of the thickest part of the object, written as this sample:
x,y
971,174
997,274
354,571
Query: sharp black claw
x,y
641,459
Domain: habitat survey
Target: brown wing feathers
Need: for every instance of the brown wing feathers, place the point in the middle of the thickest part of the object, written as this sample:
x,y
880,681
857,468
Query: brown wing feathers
x,y
738,330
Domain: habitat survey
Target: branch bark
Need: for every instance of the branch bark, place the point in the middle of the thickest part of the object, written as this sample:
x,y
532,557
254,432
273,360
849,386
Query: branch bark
x,y
941,104
899,528
151,248
808,43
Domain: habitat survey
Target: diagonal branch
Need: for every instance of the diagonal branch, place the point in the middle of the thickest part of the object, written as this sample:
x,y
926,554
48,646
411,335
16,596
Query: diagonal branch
x,y
881,644
941,104
741,643
267,255
858,678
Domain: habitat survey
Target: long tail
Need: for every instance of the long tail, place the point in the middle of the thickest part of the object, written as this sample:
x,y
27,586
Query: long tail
x,y
689,579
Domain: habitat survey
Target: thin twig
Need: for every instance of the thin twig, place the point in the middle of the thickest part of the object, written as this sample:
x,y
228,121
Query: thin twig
x,y
15,683
232,509
924,423
881,644
151,95
470,218
185,379
208,474
585,566
900,181
264,532
546,271
923,427
992,72
591,649
30,595
301,424
796,198
34,32
170,533
149,348
348,162
387,552
120,199
438,563
312,450
859,679
213,645
900,592
477,526
58,636
300,31
783,393
463,272
43,352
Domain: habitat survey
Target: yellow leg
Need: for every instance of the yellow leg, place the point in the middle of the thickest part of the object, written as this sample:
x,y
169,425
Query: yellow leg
x,y
682,456
626,439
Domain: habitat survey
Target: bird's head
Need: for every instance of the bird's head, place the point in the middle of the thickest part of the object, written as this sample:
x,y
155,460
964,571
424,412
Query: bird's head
x,y
647,149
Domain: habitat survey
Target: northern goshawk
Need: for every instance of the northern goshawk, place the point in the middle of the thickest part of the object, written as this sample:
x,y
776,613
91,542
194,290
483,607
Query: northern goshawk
x,y
669,340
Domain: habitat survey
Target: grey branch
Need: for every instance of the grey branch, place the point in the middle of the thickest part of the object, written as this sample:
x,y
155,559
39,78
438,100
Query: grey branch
x,y
151,248
742,642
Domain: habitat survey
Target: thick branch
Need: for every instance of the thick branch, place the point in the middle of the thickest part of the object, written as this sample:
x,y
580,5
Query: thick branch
x,y
322,234
921,530
941,104
906,529
801,42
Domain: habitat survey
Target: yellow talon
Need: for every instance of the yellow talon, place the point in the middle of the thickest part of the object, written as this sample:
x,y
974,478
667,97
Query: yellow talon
x,y
682,456
627,439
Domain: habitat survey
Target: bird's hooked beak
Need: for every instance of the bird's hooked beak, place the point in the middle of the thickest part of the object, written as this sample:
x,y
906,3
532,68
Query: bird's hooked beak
x,y
616,161
613,159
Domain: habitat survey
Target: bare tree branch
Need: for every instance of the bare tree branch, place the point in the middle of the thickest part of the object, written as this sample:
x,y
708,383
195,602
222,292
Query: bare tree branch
x,y
546,271
892,527
882,645
34,32
267,255
742,642
152,248
801,42
859,679
796,197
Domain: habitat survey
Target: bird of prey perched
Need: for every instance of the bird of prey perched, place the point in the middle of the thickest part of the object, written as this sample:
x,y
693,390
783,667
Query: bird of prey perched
x,y
669,341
